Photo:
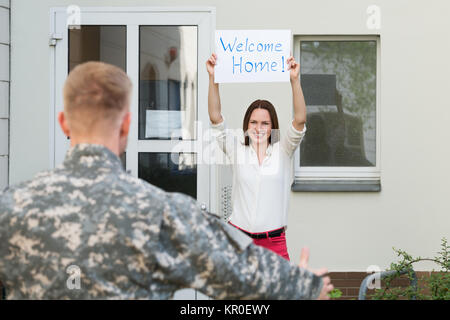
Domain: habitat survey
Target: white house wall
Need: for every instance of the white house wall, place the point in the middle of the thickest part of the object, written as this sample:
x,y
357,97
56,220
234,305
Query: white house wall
x,y
4,92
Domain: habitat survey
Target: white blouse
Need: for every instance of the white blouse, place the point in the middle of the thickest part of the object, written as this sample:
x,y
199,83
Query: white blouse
x,y
260,193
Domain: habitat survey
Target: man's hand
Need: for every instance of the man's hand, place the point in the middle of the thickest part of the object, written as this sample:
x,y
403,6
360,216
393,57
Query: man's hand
x,y
327,286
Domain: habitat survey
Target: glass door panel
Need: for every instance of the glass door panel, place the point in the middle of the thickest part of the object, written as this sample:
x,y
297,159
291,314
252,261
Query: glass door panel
x,y
167,82
173,172
98,43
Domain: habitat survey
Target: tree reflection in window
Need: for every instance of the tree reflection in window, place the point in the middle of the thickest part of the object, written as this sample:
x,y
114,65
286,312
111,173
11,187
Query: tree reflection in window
x,y
339,82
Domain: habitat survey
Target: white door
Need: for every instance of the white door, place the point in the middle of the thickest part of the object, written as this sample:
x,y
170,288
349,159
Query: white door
x,y
163,51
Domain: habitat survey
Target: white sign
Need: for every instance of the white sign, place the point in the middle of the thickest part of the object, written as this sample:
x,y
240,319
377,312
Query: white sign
x,y
164,124
252,55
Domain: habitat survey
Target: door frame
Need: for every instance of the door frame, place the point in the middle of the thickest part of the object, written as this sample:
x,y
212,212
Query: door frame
x,y
133,17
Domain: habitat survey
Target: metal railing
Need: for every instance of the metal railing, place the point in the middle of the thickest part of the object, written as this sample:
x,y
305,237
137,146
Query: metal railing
x,y
381,275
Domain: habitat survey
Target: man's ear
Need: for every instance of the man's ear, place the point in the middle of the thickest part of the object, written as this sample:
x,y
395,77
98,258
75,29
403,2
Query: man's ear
x,y
125,125
63,123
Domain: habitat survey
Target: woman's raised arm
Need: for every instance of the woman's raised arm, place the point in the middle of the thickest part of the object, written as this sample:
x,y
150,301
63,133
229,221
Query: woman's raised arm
x,y
297,94
214,108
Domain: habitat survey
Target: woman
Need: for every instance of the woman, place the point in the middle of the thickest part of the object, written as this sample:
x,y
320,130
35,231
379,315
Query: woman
x,y
262,164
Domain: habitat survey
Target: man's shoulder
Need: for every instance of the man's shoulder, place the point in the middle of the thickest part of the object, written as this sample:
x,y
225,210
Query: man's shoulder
x,y
181,205
46,184
7,195
44,177
39,182
184,209
136,186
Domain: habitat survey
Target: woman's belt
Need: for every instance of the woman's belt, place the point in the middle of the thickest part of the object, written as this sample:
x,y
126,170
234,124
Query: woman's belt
x,y
264,235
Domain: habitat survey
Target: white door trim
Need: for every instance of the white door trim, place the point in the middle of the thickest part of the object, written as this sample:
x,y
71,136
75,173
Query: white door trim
x,y
132,18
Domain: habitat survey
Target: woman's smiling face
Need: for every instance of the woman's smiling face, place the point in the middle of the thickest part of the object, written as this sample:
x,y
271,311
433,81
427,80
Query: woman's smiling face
x,y
259,126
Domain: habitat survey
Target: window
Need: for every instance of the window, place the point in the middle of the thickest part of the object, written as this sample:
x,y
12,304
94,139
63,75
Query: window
x,y
168,82
340,151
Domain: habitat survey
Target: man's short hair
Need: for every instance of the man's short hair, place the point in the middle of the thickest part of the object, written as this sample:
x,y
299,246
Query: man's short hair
x,y
95,91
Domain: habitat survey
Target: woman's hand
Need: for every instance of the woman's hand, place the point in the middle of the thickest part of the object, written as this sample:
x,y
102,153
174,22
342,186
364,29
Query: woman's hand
x,y
214,108
210,64
294,68
297,93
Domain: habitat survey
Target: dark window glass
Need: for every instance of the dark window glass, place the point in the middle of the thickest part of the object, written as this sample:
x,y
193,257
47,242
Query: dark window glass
x,y
339,83
98,43
172,172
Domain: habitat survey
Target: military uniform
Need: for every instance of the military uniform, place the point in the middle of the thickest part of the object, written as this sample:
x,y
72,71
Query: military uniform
x,y
128,239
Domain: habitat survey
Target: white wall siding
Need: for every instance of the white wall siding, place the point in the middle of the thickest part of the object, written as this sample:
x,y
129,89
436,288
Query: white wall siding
x,y
4,135
4,3
4,25
3,172
4,62
4,92
4,99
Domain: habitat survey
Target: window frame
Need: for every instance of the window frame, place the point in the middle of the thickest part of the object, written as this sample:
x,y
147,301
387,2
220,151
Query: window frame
x,y
341,174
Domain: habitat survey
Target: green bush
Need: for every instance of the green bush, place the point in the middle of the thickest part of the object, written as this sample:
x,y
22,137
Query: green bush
x,y
335,294
436,286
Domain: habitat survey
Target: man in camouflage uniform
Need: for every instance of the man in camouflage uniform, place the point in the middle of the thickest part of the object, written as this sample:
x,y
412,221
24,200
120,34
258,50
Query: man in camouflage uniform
x,y
89,230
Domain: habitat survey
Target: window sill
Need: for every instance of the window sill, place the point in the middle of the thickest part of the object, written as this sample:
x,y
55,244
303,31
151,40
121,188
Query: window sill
x,y
336,186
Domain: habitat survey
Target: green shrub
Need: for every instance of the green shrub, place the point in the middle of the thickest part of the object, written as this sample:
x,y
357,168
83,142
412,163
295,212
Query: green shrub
x,y
436,286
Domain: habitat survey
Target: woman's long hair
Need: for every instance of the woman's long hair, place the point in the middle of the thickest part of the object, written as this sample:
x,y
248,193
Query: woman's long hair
x,y
262,104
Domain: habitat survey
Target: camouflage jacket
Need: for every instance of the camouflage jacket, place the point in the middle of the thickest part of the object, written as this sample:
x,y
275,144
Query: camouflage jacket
x,y
89,230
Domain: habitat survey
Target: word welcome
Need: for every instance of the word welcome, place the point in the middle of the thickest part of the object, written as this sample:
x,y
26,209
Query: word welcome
x,y
251,47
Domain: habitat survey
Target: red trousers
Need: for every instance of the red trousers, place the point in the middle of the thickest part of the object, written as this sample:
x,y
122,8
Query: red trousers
x,y
275,244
